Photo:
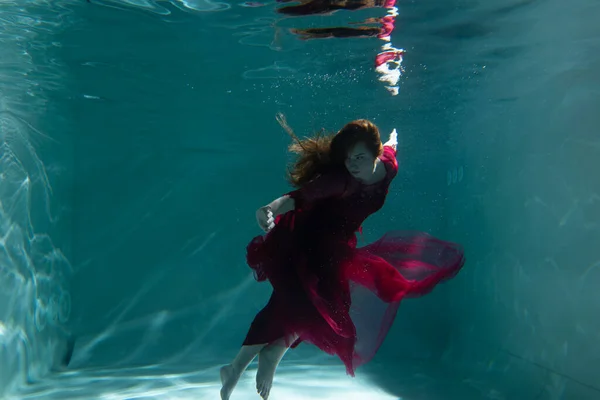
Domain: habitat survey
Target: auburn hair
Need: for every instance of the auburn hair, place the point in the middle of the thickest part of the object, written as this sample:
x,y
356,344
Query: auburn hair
x,y
325,152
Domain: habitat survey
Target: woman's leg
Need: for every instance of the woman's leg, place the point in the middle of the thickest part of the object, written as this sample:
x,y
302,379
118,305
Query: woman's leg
x,y
230,374
265,329
268,360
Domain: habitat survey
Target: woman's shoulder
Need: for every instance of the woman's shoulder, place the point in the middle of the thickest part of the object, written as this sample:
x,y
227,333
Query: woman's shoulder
x,y
330,183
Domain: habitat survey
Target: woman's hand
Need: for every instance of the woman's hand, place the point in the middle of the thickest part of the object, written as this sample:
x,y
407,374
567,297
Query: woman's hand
x,y
393,141
265,218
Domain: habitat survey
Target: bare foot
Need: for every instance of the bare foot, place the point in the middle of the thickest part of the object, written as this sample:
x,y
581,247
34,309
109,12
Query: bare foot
x,y
229,378
268,360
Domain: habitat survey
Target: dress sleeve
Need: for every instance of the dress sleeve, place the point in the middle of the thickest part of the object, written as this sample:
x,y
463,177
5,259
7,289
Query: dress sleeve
x,y
389,159
324,186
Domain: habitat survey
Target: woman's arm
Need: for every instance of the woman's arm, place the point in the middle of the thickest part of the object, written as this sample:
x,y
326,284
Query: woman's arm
x,y
265,216
324,186
281,205
389,154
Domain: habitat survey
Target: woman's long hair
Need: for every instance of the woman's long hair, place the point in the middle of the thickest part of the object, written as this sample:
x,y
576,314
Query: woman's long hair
x,y
323,152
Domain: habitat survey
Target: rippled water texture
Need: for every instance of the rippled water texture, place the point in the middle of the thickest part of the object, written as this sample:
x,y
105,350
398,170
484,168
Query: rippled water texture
x,y
137,138
34,271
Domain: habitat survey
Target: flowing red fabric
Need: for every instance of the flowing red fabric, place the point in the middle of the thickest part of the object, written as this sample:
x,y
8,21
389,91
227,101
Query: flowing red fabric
x,y
326,290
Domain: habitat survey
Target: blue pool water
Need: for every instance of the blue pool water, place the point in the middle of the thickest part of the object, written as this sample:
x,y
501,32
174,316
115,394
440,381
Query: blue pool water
x,y
139,137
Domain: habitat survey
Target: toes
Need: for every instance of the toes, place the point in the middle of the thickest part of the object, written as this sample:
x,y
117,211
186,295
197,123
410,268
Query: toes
x,y
262,389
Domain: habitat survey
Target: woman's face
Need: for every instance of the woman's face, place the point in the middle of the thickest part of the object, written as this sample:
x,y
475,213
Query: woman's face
x,y
360,162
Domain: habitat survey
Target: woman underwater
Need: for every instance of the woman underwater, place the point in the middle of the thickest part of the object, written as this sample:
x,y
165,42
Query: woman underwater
x,y
321,281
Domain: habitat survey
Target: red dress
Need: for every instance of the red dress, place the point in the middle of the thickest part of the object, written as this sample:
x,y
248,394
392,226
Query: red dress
x,y
328,292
